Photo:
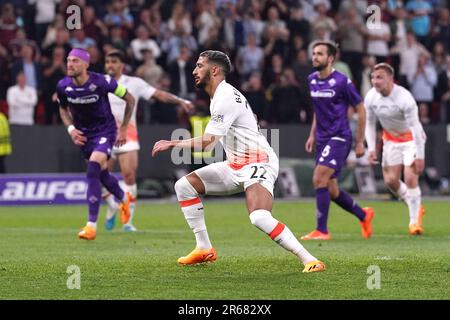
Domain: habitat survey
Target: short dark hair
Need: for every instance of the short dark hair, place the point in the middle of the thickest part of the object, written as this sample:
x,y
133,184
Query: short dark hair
x,y
386,67
219,58
116,54
332,47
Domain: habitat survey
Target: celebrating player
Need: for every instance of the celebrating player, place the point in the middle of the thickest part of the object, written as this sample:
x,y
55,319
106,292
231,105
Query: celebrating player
x,y
332,93
403,140
85,110
127,154
251,165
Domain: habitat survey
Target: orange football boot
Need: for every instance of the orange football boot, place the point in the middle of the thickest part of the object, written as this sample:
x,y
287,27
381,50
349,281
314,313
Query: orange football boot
x,y
124,209
87,233
314,266
199,256
366,225
316,235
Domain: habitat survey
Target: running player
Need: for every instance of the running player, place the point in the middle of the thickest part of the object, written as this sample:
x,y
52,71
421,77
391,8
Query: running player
x,y
332,93
403,140
251,165
85,110
127,154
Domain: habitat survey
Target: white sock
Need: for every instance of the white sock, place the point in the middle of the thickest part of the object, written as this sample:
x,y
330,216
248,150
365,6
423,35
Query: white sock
x,y
93,225
280,233
413,200
112,205
132,189
193,211
402,191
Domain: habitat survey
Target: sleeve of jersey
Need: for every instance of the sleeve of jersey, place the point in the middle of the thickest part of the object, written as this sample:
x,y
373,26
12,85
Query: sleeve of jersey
x,y
353,97
222,117
371,121
62,99
146,91
114,87
412,119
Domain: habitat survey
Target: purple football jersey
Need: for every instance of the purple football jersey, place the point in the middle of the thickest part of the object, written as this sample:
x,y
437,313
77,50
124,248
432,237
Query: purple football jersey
x,y
89,104
331,98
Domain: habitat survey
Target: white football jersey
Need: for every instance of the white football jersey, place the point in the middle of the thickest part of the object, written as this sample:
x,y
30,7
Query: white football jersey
x,y
232,118
138,88
397,113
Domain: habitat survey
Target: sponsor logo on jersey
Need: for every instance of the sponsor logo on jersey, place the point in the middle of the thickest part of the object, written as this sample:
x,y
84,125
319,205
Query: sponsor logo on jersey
x,y
84,100
218,118
326,93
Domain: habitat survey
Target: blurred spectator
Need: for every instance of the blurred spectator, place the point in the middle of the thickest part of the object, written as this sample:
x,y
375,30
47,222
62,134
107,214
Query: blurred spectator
x,y
180,18
161,112
62,38
171,44
409,53
180,71
439,57
144,42
360,7
298,25
8,24
54,71
377,41
253,24
29,66
399,29
368,63
289,103
249,58
351,33
420,22
302,68
272,73
93,26
206,20
118,41
441,30
151,19
15,45
322,21
150,71
5,141
424,113
443,91
233,27
45,14
22,100
118,16
254,92
423,81
52,29
80,40
96,63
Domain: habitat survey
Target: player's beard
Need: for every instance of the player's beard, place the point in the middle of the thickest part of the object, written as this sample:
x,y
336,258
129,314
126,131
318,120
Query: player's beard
x,y
201,84
320,66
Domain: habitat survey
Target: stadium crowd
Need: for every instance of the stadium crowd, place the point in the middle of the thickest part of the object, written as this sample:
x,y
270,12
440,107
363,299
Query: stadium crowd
x,y
268,41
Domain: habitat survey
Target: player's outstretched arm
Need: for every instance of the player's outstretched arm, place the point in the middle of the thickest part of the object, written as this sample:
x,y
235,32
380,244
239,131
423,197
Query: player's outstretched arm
x,y
359,146
205,142
122,134
168,97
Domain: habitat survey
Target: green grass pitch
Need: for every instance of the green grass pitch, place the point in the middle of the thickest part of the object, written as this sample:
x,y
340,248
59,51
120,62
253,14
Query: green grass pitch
x,y
38,244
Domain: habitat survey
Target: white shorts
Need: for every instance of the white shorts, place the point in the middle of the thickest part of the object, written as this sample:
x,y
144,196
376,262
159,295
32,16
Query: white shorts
x,y
398,153
220,179
127,147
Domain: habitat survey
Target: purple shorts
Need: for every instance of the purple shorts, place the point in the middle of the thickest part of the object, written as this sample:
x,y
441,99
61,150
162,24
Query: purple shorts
x,y
333,153
101,143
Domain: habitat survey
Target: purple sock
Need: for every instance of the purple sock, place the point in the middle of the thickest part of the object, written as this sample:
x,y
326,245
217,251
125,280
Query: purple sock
x,y
94,190
323,206
111,184
348,204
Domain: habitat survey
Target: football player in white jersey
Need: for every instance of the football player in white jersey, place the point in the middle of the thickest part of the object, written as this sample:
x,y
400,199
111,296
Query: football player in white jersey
x,y
403,140
127,155
251,165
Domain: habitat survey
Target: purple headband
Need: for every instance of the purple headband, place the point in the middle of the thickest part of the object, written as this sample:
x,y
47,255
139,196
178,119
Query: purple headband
x,y
80,53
